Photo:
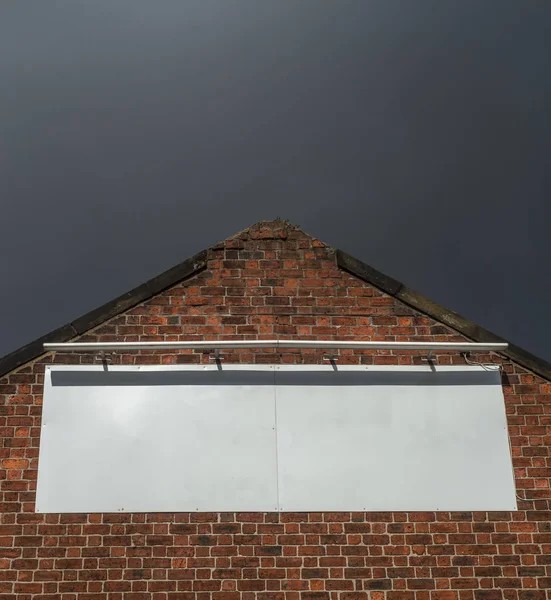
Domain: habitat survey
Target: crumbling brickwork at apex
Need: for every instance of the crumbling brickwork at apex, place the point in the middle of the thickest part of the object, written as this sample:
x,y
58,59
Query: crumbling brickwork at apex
x,y
274,281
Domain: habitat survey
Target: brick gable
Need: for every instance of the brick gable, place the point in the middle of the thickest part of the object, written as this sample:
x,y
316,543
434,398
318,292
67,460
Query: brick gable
x,y
274,281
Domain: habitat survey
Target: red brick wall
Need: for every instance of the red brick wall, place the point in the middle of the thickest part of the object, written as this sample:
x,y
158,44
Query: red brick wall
x,y
274,281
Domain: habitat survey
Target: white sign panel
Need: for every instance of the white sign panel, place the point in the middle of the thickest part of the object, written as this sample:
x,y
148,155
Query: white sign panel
x,y
393,439
150,440
265,438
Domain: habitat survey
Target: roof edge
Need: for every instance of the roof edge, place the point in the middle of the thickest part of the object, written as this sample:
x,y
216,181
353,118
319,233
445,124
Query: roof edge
x,y
198,263
143,292
415,300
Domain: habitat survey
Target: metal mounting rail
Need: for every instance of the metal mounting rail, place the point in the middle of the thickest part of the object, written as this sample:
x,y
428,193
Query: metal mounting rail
x,y
276,344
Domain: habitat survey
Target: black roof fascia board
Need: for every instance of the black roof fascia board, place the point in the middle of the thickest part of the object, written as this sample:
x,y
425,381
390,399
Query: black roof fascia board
x,y
367,273
99,315
198,263
440,313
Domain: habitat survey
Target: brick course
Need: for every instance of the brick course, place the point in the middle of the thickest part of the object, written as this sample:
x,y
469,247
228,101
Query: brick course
x,y
274,281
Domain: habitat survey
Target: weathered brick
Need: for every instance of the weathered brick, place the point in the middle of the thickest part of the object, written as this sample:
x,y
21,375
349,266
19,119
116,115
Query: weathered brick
x,y
274,281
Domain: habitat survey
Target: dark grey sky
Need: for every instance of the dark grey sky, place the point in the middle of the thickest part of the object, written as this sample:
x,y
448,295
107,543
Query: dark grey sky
x,y
414,135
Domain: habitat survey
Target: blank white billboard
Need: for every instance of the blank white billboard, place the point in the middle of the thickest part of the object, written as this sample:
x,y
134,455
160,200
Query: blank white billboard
x,y
157,440
266,437
393,440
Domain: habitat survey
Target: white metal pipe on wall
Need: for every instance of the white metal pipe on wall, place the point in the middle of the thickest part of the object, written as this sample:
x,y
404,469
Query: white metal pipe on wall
x,y
276,344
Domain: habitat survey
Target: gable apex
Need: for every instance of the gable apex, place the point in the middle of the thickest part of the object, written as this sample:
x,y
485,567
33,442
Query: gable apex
x,y
277,230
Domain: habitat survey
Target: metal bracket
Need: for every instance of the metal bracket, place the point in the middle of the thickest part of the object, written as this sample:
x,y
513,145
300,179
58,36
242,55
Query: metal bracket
x,y
215,355
429,358
105,357
331,356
